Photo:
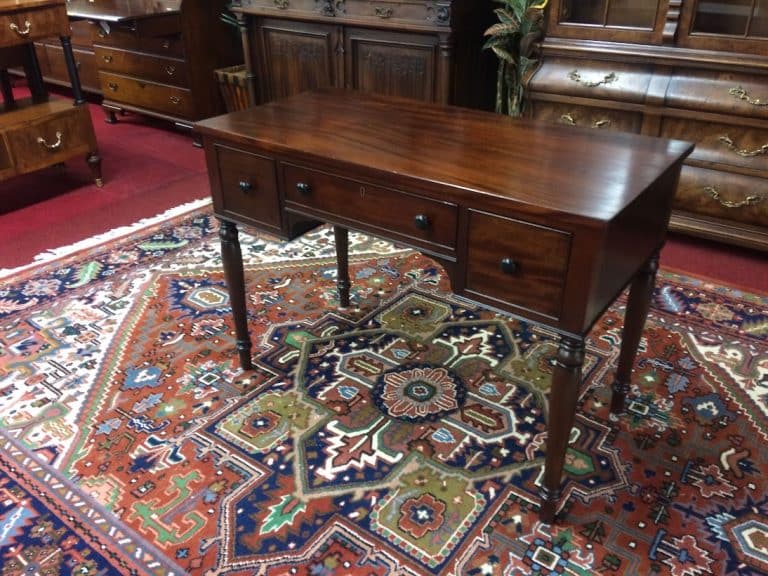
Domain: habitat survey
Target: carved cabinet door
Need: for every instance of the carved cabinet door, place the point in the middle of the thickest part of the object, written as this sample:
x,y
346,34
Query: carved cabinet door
x,y
297,56
393,63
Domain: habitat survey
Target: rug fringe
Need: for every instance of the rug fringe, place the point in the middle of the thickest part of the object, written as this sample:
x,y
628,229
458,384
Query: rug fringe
x,y
53,254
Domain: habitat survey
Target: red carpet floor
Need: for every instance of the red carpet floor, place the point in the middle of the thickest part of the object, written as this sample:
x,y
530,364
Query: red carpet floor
x,y
149,167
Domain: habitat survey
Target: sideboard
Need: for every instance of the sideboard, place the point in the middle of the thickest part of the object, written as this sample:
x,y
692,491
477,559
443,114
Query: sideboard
x,y
426,50
675,68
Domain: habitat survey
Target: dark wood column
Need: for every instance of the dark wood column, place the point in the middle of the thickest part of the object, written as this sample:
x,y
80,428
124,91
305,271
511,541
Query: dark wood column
x,y
341,235
232,259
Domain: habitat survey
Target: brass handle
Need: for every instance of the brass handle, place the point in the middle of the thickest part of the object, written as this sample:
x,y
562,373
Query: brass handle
x,y
107,58
383,13
741,151
170,70
245,186
421,221
602,123
20,32
175,99
748,201
282,4
303,188
741,94
607,79
509,266
112,86
166,44
52,147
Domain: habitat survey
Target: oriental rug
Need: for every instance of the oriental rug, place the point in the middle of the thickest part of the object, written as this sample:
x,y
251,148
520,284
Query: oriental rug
x,y
400,436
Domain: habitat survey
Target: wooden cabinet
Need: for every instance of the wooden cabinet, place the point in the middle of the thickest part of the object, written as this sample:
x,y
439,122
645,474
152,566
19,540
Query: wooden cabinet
x,y
684,69
36,132
154,58
425,50
53,66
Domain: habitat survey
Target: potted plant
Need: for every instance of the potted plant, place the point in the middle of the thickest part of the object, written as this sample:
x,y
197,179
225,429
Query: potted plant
x,y
514,39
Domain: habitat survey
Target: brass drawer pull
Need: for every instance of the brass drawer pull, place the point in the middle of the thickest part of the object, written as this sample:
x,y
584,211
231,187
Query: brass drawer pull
x,y
748,201
602,123
19,31
170,70
107,58
607,79
175,99
112,86
741,151
383,13
166,44
741,94
282,4
421,221
52,147
303,188
509,266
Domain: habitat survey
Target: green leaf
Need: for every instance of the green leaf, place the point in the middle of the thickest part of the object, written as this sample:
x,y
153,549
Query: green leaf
x,y
86,273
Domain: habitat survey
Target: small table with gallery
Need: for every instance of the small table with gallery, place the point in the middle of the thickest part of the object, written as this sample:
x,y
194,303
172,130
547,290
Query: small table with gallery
x,y
544,223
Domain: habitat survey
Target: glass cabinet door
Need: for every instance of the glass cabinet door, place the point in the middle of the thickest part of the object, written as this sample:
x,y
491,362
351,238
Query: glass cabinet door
x,y
742,24
618,20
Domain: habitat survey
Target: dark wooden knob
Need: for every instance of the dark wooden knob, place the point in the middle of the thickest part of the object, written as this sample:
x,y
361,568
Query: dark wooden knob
x,y
303,188
509,266
245,186
421,221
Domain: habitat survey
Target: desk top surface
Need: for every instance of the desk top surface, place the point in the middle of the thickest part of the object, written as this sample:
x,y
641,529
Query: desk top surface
x,y
582,172
14,5
116,10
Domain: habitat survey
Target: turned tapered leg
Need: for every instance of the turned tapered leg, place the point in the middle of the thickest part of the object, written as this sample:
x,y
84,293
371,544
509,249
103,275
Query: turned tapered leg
x,y
640,293
566,379
341,235
232,259
74,75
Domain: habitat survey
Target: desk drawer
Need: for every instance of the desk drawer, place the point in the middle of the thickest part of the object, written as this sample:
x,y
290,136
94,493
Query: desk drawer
x,y
519,264
63,134
418,220
33,24
168,44
248,187
145,66
586,116
170,100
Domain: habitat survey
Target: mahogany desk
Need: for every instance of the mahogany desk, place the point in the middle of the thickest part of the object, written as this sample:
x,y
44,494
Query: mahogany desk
x,y
545,223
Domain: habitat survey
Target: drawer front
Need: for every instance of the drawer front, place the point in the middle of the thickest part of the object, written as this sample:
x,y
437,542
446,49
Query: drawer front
x,y
516,263
33,24
592,79
719,92
170,45
723,195
83,32
52,139
418,220
145,66
385,13
170,100
598,118
721,143
86,67
248,188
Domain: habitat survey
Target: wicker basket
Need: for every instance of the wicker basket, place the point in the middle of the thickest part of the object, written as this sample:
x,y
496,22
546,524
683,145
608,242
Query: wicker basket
x,y
233,87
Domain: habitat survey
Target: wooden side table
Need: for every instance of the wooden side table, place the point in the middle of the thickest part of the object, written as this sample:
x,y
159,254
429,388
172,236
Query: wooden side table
x,y
37,132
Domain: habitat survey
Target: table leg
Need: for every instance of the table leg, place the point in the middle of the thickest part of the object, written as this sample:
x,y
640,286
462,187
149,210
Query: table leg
x,y
564,392
639,301
232,260
74,74
341,235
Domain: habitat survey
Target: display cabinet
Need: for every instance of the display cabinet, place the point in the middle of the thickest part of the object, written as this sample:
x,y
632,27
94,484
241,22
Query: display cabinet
x,y
688,69
425,50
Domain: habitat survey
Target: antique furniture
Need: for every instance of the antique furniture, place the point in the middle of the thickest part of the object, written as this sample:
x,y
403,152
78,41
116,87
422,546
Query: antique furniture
x,y
420,49
536,220
685,69
155,58
36,132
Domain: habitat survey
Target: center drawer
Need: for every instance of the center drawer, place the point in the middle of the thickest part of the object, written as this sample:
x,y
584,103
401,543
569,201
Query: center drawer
x,y
162,98
146,66
414,219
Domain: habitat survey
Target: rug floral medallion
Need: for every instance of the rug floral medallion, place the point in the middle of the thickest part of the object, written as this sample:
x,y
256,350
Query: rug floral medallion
x,y
401,436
